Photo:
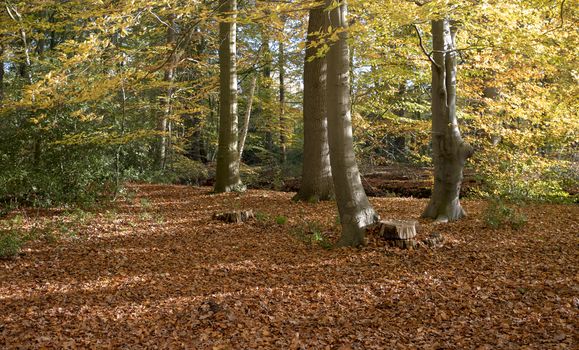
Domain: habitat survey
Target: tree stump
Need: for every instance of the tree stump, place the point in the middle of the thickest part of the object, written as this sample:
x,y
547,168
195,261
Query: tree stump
x,y
398,229
403,243
399,233
234,217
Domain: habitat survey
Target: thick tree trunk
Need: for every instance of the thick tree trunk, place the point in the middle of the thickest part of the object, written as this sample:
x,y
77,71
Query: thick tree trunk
x,y
449,150
355,210
316,172
227,176
247,116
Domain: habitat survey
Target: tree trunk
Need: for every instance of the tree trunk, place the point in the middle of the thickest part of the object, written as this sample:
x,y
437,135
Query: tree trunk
x,y
316,181
166,102
197,150
266,91
1,76
245,128
449,150
355,210
282,119
227,176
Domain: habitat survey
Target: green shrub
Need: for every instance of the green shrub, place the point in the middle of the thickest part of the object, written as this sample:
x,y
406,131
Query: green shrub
x,y
10,244
499,214
518,177
184,171
280,220
261,217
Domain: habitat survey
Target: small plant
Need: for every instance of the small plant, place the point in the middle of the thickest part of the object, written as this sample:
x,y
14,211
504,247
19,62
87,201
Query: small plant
x,y
261,217
10,244
145,216
160,219
280,220
312,235
499,214
79,216
314,199
320,239
145,203
110,215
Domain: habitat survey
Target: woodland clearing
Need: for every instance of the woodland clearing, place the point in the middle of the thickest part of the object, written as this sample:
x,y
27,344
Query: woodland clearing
x,y
155,271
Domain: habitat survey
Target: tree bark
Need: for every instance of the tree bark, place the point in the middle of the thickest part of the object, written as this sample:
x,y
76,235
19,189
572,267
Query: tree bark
x,y
245,127
355,210
266,91
227,176
316,181
1,76
450,151
162,123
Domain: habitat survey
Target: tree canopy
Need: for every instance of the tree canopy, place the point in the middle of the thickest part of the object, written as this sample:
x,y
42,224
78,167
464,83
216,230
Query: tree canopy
x,y
84,85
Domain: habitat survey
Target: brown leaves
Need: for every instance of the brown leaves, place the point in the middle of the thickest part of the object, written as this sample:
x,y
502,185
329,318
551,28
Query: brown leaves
x,y
165,275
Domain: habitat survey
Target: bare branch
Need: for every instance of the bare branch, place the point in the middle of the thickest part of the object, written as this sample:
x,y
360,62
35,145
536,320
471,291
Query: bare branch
x,y
420,42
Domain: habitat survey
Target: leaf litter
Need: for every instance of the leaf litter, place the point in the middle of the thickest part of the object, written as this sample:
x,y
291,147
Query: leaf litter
x,y
156,271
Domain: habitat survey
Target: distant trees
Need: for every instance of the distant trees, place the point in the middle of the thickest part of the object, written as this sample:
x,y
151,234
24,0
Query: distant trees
x,y
94,97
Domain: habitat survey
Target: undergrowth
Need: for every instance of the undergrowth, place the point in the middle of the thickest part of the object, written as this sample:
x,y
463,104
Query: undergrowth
x,y
311,233
500,214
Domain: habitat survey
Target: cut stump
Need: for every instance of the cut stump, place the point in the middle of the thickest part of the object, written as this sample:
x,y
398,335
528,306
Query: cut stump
x,y
398,229
399,233
234,217
403,243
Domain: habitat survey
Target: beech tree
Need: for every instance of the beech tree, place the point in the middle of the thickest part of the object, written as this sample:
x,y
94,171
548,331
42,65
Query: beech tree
x,y
316,181
169,76
356,212
449,150
227,176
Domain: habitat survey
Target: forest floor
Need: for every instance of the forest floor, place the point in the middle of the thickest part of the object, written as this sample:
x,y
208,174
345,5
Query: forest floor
x,y
156,271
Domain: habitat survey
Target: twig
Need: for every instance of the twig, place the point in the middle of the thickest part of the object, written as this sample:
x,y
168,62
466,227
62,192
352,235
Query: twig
x,y
429,55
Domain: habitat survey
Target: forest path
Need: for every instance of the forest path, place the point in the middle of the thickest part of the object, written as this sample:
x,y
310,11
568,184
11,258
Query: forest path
x,y
157,272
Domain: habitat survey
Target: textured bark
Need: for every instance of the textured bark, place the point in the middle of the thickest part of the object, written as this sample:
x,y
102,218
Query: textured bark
x,y
227,176
245,127
316,181
449,150
355,210
162,123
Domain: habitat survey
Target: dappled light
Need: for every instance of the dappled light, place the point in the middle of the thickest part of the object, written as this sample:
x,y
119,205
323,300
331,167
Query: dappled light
x,y
206,283
296,174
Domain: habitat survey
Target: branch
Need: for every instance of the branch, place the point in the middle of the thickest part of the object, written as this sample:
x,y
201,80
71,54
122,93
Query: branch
x,y
561,16
424,49
562,13
183,40
160,20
